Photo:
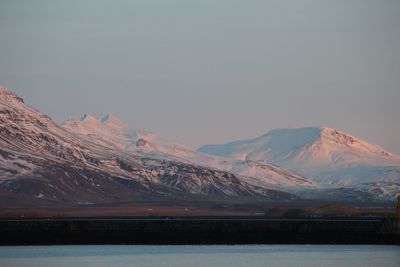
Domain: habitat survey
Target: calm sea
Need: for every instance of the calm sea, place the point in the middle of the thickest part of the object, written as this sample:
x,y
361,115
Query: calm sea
x,y
201,256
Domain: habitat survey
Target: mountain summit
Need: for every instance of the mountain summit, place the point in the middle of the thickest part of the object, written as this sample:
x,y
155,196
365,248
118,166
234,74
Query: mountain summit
x,y
114,133
92,160
8,95
42,162
314,143
328,156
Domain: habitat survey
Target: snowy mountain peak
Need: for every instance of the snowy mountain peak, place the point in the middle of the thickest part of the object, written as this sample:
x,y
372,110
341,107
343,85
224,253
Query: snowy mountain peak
x,y
4,89
108,121
92,160
113,121
325,138
279,143
334,137
288,139
8,95
99,157
324,154
89,119
111,132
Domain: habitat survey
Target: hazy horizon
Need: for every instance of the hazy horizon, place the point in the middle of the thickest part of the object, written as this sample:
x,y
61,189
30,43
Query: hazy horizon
x,y
209,72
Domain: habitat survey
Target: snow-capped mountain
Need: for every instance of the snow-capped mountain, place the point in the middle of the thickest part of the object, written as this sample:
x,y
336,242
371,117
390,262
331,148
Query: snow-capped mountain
x,y
112,132
330,157
116,134
42,160
91,160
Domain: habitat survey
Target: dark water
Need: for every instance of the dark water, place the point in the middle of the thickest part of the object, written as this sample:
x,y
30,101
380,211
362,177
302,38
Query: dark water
x,y
202,256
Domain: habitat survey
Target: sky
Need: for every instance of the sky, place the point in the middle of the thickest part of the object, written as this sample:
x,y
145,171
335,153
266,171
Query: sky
x,y
209,71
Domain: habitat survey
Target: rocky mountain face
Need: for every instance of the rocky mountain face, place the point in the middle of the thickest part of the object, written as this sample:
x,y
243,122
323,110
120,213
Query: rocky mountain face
x,y
44,161
103,160
331,158
116,134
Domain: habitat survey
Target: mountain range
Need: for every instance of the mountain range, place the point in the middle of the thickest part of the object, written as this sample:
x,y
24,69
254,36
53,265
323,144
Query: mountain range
x,y
92,160
330,158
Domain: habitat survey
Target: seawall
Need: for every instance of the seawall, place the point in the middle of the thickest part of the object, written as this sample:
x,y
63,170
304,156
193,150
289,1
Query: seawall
x,y
185,230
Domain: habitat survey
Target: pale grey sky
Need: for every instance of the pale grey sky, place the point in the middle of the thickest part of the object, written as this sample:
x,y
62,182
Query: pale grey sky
x,y
201,72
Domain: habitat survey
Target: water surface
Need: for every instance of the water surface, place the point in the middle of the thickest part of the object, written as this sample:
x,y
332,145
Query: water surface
x,y
201,256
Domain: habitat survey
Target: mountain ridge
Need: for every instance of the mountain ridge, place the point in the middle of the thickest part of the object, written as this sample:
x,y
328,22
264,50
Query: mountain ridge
x,y
93,160
42,160
134,140
325,155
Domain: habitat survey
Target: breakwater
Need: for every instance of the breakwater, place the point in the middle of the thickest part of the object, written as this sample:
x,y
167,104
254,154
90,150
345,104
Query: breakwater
x,y
201,230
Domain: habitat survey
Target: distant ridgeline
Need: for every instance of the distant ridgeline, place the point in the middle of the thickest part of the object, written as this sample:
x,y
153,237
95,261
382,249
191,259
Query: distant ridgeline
x,y
88,161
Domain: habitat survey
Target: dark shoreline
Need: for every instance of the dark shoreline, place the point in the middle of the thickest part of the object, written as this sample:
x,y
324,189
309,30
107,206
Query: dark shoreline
x,y
197,231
